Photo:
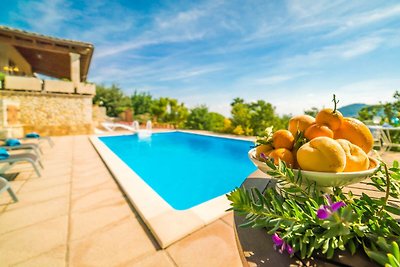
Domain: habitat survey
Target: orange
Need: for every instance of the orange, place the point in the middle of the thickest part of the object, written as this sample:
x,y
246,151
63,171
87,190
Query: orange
x,y
327,116
263,149
317,130
321,154
283,139
282,154
356,158
356,132
300,123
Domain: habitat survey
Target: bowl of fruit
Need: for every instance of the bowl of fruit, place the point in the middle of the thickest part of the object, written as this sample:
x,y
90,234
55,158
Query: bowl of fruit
x,y
330,150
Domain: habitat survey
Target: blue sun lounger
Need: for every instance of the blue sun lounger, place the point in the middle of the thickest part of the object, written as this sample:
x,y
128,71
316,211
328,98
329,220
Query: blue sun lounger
x,y
10,160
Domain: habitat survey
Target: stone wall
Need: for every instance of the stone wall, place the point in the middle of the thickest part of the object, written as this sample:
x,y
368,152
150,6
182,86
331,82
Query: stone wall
x,y
99,115
53,114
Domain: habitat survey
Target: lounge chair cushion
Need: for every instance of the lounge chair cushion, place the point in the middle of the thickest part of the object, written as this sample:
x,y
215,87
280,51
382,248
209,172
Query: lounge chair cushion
x,y
13,142
4,154
32,135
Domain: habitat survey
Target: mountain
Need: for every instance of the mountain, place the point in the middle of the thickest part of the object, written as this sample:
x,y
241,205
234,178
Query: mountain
x,y
351,110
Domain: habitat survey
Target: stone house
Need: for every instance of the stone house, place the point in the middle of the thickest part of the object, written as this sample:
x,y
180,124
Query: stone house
x,y
60,103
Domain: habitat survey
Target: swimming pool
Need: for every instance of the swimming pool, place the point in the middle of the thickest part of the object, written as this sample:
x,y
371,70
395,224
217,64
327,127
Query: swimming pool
x,y
185,169
147,172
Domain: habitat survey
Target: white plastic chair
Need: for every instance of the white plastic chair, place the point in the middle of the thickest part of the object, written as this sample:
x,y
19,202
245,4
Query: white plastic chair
x,y
5,185
382,137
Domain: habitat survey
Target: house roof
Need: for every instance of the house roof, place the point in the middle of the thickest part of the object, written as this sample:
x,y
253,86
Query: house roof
x,y
48,55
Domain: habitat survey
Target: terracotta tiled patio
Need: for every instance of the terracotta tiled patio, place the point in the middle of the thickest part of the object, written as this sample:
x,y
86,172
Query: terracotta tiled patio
x,y
75,215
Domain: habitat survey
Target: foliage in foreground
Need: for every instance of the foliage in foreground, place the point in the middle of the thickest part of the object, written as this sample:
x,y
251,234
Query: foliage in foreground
x,y
293,215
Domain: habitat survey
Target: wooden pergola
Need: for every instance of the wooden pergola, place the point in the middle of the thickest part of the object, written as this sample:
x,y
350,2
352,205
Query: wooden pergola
x,y
49,55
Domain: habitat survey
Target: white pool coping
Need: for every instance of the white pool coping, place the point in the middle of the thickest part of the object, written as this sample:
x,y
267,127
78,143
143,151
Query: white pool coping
x,y
167,224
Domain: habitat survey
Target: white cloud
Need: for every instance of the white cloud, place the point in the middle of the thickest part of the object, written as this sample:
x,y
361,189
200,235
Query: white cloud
x,y
188,73
347,50
274,79
360,47
372,16
46,16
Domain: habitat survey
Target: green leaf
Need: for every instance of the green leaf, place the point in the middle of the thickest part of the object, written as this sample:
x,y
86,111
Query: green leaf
x,y
383,244
395,164
325,246
393,262
330,252
351,246
391,209
395,250
376,256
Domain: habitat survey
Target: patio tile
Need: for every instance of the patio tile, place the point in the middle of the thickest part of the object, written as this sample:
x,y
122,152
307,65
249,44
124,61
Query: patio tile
x,y
228,218
46,182
212,210
25,175
114,246
28,195
5,196
55,257
213,245
159,259
20,215
102,216
85,182
173,225
95,198
30,242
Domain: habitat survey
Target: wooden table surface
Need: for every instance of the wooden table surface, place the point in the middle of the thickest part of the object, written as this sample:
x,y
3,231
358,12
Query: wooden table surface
x,y
256,246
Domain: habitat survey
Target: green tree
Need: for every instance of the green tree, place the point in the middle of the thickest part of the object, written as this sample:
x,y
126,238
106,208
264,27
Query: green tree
x,y
178,113
389,110
241,117
198,118
368,112
237,100
159,109
112,98
216,122
311,112
262,116
141,102
253,118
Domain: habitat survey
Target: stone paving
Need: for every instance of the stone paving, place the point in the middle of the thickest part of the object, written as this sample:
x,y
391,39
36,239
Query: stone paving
x,y
76,215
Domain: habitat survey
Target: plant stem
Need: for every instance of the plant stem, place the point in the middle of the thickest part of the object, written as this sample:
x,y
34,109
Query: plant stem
x,y
335,103
387,187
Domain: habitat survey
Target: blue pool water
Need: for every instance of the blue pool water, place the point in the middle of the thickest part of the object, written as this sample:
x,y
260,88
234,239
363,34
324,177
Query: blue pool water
x,y
185,169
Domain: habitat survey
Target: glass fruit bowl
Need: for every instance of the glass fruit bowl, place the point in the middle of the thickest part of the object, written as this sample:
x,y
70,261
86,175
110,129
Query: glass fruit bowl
x,y
325,179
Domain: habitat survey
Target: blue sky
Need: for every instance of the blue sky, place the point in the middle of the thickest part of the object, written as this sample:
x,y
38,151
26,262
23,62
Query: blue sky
x,y
293,54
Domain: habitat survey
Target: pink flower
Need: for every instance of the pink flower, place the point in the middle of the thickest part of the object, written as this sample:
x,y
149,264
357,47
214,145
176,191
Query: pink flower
x,y
278,242
325,211
263,156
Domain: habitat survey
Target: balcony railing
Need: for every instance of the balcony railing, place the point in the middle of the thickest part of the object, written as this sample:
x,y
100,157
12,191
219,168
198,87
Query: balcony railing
x,y
52,86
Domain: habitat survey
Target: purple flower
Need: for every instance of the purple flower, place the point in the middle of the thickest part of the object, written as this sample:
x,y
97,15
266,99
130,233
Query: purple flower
x,y
289,249
262,155
325,211
278,242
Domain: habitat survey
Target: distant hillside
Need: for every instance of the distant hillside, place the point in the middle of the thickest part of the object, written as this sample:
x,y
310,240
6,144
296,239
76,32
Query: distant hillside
x,y
351,110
